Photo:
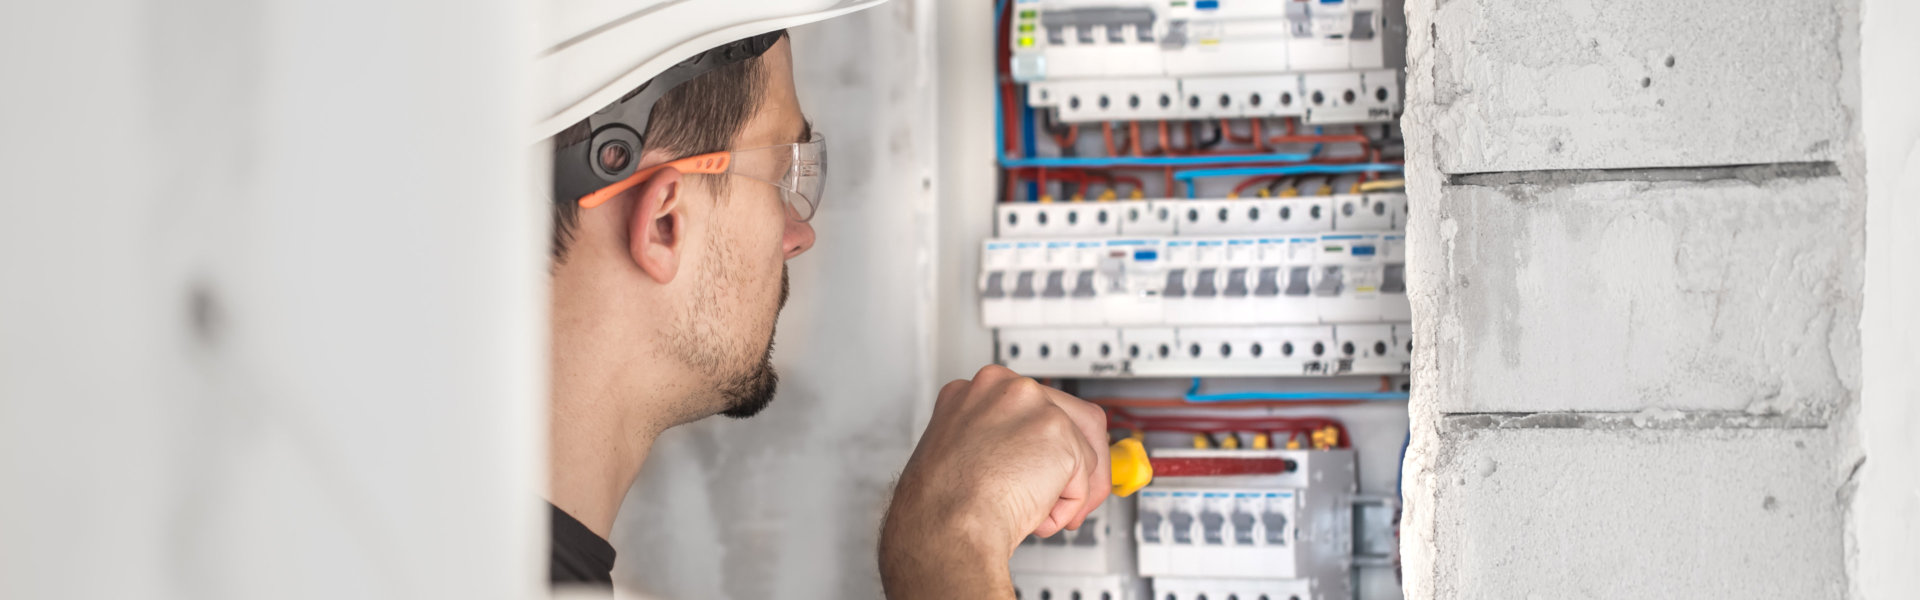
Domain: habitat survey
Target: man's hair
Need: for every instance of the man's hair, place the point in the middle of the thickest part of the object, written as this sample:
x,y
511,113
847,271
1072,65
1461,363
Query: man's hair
x,y
700,116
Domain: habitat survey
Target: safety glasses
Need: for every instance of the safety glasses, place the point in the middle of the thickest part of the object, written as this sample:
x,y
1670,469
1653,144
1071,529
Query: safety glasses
x,y
798,169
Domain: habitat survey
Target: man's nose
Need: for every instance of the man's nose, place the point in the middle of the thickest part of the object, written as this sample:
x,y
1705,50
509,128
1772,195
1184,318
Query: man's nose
x,y
798,238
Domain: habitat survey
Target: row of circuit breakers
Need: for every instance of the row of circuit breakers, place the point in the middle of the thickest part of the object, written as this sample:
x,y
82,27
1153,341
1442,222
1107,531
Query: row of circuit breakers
x,y
1325,61
1269,537
1270,286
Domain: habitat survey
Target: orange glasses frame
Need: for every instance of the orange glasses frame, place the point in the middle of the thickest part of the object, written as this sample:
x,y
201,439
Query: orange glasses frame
x,y
715,163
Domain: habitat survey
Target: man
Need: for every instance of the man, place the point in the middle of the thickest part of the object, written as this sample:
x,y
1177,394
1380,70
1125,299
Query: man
x,y
676,210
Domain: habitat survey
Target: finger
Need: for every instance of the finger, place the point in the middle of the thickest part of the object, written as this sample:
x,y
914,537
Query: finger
x,y
1069,509
1091,420
1097,483
991,374
953,390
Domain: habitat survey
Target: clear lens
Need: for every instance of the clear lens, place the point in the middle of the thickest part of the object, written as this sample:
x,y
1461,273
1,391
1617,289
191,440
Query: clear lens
x,y
809,177
799,170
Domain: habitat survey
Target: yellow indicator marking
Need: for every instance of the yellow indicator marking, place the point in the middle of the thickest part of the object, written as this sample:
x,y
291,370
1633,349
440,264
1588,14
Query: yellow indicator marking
x,y
1026,41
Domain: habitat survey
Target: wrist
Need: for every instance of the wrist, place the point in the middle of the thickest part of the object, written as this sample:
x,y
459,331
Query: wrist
x,y
942,552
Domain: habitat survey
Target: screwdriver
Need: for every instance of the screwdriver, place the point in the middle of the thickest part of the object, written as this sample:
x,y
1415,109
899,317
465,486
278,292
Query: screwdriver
x,y
1132,469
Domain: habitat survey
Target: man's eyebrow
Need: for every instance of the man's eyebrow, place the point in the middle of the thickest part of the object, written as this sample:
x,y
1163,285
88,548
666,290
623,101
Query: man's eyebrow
x,y
806,131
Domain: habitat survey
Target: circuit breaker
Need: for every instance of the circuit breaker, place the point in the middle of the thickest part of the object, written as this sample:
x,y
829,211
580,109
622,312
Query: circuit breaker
x,y
1299,286
1323,61
1294,529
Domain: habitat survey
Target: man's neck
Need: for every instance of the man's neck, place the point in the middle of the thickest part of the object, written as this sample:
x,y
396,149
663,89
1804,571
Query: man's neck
x,y
593,458
612,393
610,401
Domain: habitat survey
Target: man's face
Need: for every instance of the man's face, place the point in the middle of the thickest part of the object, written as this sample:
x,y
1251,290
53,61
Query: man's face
x,y
725,330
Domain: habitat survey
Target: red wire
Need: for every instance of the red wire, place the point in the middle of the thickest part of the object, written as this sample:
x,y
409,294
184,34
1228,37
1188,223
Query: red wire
x,y
1207,467
1320,139
1120,418
1226,129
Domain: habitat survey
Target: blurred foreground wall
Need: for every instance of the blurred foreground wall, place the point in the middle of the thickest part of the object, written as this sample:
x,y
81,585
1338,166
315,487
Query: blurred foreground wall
x,y
271,301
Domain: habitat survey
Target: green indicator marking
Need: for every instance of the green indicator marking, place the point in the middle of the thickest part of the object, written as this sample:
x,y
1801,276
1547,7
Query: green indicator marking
x,y
1026,28
1334,248
1028,14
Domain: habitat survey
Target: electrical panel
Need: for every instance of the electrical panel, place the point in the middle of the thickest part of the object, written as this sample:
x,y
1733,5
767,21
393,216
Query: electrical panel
x,y
1203,194
1294,526
1103,545
1324,61
1283,534
1045,586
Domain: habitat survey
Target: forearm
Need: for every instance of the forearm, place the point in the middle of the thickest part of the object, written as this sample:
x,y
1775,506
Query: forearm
x,y
937,559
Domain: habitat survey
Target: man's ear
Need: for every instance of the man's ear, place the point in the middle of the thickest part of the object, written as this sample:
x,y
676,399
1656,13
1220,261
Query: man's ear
x,y
658,228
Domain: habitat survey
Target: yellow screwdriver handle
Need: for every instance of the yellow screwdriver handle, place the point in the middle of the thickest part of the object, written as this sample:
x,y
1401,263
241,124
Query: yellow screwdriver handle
x,y
1131,471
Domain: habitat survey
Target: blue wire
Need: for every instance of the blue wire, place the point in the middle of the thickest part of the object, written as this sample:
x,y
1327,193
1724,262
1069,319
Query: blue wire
x,y
1194,395
999,119
1297,396
1151,161
1026,129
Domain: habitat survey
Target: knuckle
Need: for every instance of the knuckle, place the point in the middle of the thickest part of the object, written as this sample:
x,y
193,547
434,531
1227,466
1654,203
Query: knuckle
x,y
991,372
1058,425
1026,387
952,387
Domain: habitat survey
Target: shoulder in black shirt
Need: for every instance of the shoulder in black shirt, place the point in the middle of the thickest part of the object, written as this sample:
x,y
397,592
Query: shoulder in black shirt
x,y
579,556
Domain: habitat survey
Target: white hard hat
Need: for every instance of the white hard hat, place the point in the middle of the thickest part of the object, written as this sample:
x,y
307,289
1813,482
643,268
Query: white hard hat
x,y
592,52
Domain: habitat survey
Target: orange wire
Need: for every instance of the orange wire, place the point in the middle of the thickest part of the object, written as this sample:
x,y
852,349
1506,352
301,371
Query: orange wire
x,y
1106,133
1226,129
1166,139
1133,137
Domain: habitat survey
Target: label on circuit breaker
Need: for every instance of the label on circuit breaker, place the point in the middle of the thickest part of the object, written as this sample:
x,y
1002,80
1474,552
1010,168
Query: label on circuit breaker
x,y
1347,278
1131,270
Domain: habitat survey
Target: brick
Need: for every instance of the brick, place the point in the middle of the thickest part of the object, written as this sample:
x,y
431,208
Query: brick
x,y
1723,295
1569,85
1576,513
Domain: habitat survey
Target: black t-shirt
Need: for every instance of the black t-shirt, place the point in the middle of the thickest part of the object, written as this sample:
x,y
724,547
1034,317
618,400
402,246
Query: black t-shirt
x,y
579,556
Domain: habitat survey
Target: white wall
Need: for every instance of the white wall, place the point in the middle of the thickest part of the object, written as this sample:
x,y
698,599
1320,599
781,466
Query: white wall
x,y
270,301
1886,505
788,504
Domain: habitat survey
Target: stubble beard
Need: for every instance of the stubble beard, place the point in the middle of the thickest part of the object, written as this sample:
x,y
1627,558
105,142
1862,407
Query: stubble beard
x,y
749,393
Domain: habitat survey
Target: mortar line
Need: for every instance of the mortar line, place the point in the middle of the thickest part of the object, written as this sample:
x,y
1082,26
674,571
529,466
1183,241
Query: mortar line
x,y
1756,174
1641,420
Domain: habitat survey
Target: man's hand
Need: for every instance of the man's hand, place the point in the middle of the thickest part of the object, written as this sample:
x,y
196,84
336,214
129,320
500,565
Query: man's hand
x,y
1002,457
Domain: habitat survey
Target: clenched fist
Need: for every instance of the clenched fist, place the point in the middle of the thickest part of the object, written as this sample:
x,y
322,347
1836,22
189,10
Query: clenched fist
x,y
1003,457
